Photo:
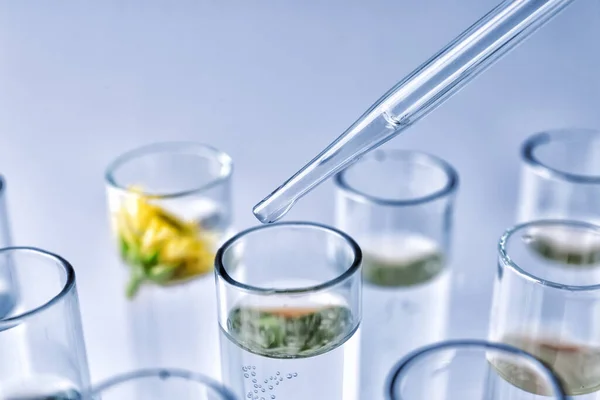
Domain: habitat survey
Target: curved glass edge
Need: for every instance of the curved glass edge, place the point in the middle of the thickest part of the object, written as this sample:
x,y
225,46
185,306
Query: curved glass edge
x,y
545,137
68,286
221,270
161,373
452,179
404,364
175,147
507,262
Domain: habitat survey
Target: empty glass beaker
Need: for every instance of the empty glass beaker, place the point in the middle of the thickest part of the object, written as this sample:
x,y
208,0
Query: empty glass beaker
x,y
547,301
170,209
560,177
161,384
42,349
289,312
398,206
470,370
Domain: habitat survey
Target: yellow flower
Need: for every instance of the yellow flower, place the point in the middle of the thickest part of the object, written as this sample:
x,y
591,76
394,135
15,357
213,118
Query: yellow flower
x,y
158,241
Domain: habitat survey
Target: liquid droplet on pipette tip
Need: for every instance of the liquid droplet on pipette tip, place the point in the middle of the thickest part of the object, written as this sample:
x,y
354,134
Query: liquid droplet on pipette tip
x,y
267,213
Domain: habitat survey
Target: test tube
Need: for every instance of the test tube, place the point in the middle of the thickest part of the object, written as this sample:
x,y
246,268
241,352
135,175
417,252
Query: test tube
x,y
548,304
170,209
560,179
289,312
163,384
42,349
469,370
560,176
398,205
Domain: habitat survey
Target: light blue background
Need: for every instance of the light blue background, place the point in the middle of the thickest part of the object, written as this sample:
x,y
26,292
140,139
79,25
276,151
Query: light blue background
x,y
271,83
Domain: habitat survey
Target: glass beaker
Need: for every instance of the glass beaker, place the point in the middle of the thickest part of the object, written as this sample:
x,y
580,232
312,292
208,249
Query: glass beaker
x,y
547,301
560,177
468,370
289,312
398,206
170,209
163,384
42,348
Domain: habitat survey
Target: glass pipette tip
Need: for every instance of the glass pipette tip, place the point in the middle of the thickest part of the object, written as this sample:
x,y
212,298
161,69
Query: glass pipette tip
x,y
436,80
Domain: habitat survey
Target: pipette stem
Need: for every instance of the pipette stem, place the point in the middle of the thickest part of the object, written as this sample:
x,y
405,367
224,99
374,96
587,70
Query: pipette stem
x,y
417,94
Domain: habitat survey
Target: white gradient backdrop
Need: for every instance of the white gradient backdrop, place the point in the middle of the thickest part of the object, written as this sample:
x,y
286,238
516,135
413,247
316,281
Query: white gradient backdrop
x,y
271,83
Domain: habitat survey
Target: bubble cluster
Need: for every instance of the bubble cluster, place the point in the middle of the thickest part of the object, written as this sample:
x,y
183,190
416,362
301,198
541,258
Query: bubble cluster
x,y
270,383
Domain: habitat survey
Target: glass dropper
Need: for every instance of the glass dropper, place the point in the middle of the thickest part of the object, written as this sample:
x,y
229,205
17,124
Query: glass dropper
x,y
444,74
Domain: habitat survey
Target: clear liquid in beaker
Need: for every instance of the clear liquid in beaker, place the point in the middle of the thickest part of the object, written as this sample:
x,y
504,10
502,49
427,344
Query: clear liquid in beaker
x,y
305,351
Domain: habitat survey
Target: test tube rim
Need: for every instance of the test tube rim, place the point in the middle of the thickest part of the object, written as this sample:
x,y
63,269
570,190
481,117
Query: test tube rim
x,y
406,362
221,270
163,373
68,286
507,262
552,135
450,187
200,149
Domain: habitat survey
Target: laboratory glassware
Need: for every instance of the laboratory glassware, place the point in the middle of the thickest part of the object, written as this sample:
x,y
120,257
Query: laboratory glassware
x,y
163,384
560,176
41,338
420,92
547,297
170,209
398,205
7,284
5,239
289,312
469,370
